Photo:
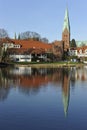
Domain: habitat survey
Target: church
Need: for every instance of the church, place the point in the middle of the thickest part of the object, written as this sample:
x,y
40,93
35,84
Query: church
x,y
59,47
31,50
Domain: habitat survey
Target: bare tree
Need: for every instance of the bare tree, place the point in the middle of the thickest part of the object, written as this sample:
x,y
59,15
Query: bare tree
x,y
3,33
32,35
44,40
1,53
29,35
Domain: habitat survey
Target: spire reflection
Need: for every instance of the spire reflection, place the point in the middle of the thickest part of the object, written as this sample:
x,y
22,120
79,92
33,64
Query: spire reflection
x,y
29,81
66,89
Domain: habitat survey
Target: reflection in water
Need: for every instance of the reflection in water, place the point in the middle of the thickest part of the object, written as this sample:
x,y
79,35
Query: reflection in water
x,y
4,86
66,89
30,80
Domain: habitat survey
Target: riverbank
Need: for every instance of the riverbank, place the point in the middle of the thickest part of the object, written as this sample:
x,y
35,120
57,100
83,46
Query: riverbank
x,y
47,65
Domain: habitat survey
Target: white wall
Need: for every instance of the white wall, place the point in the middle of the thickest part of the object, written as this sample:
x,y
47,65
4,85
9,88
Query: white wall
x,y
21,58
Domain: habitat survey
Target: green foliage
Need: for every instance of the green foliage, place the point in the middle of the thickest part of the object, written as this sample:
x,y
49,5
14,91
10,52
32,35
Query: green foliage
x,y
4,57
73,43
0,55
85,58
0,51
65,55
19,36
50,57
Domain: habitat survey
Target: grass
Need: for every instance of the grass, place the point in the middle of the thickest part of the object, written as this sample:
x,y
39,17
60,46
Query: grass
x,y
47,63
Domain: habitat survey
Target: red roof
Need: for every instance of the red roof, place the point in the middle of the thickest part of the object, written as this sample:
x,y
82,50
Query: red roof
x,y
33,44
27,44
26,51
83,48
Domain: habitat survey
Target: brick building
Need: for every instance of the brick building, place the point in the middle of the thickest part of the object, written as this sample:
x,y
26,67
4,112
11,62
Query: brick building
x,y
25,50
60,47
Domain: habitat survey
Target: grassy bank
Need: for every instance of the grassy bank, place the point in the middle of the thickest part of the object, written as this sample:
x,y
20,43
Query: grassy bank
x,y
48,64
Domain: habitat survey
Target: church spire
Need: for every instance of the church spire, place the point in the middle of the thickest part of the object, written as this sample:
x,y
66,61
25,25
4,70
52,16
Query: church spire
x,y
66,24
66,31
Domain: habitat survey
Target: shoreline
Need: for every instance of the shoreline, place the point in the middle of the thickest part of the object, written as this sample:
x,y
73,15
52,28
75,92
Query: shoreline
x,y
44,65
52,65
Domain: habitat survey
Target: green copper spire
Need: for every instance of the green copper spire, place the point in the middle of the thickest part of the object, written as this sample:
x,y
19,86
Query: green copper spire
x,y
66,24
65,102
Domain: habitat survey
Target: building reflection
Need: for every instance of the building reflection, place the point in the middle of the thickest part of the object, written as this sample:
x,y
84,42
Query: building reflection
x,y
30,80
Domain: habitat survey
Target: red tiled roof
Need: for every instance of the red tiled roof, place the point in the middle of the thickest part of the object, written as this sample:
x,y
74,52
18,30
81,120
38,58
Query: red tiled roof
x,y
27,44
81,48
33,44
6,40
26,50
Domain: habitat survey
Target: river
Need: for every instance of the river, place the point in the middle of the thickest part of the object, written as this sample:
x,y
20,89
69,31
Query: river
x,y
43,98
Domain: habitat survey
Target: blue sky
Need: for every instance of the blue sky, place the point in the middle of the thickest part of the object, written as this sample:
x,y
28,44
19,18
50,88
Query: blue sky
x,y
44,17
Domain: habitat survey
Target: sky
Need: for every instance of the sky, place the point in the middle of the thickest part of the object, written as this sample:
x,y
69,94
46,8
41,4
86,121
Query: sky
x,y
45,17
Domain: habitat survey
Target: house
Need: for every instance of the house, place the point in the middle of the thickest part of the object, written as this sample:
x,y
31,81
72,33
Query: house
x,y
82,51
73,51
26,55
30,50
26,50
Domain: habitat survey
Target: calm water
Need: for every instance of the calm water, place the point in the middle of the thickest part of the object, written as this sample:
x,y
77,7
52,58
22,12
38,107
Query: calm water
x,y
43,99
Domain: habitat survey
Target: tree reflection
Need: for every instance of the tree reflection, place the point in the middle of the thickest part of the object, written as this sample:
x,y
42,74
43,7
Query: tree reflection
x,y
4,86
3,93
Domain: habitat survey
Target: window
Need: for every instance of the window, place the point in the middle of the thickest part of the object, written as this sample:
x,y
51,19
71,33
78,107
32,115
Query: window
x,y
16,46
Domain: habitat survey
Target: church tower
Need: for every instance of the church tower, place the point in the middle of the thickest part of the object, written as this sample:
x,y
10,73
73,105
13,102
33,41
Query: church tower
x,y
66,31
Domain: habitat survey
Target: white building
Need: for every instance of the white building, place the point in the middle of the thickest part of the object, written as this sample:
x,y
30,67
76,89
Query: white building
x,y
79,51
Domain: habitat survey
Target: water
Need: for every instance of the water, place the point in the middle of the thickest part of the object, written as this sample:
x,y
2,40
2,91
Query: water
x,y
43,99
